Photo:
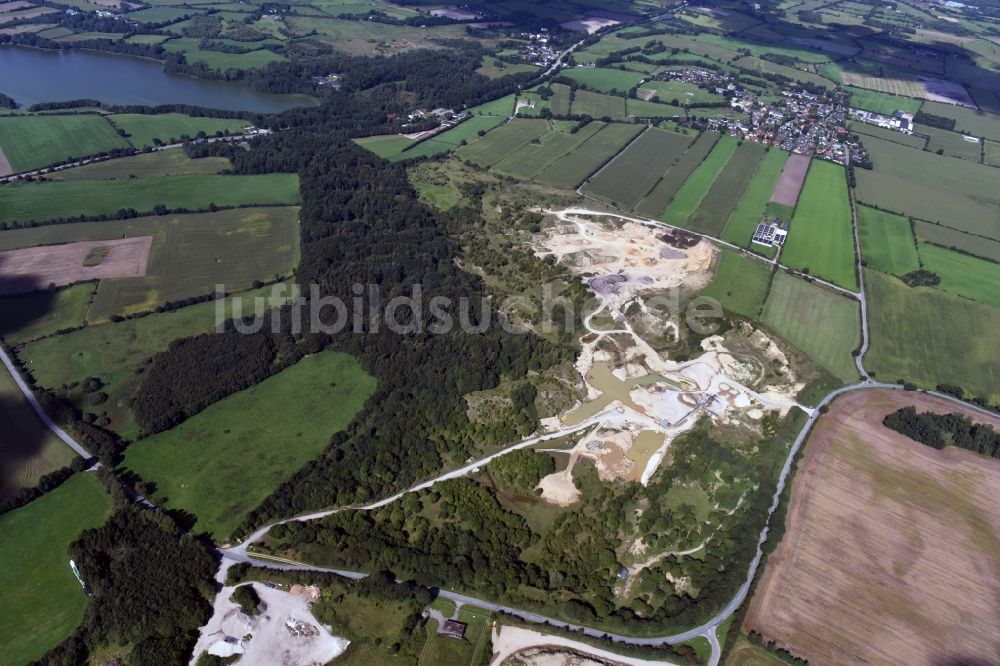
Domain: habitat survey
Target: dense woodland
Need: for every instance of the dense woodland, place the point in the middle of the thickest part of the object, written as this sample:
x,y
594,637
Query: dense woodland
x,y
941,430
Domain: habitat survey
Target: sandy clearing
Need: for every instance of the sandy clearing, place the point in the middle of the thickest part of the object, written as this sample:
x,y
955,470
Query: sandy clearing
x,y
786,190
35,268
5,168
508,641
892,549
285,633
590,25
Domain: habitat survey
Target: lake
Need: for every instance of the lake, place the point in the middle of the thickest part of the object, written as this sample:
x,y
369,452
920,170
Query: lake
x,y
33,75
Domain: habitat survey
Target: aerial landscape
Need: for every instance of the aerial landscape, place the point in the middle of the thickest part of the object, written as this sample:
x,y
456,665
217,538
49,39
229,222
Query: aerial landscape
x,y
502,333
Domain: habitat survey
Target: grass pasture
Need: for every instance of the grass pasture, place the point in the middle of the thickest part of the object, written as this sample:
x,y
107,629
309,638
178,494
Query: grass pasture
x,y
970,121
442,650
30,316
887,241
23,202
724,195
880,102
818,321
499,107
147,130
43,600
950,238
670,183
936,188
603,79
820,238
952,144
685,94
29,449
748,212
530,159
573,169
31,142
144,165
596,105
493,147
637,169
928,336
970,277
220,60
740,283
690,195
219,464
642,109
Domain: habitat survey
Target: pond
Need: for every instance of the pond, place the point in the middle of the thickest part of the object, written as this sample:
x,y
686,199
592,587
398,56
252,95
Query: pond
x,y
32,75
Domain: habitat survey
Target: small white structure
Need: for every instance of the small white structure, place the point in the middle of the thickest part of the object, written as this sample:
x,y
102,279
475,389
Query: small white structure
x,y
771,232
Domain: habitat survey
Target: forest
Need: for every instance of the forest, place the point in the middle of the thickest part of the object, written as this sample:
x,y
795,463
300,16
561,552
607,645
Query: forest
x,y
941,430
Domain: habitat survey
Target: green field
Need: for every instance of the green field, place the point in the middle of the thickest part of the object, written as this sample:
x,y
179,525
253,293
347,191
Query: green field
x,y
448,140
224,461
219,60
29,316
820,238
147,165
385,145
952,143
31,142
823,324
685,94
42,600
970,121
887,241
695,188
443,650
910,140
530,159
637,169
971,277
880,102
929,337
571,170
722,198
945,237
22,202
596,105
493,147
740,283
499,107
602,79
189,256
144,129
675,177
29,449
643,109
748,212
560,100
958,193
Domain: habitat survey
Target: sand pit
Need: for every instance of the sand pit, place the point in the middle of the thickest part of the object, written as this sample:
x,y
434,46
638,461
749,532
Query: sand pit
x,y
891,553
35,268
786,190
285,633
546,650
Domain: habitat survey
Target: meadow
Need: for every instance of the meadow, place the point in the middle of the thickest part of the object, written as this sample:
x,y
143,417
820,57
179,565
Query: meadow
x,y
220,463
30,316
444,651
887,241
929,337
503,106
689,196
931,187
31,142
603,79
868,129
740,284
573,169
637,169
820,239
596,105
493,147
38,201
761,65
42,600
147,130
29,449
880,102
685,94
670,182
820,322
963,275
951,143
530,159
145,165
642,109
744,219
725,193
220,60
945,237
970,121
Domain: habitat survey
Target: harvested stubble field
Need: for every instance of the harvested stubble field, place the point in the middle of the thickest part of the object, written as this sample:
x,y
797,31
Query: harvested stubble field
x,y
675,177
634,172
35,268
532,158
571,170
891,552
793,175
493,147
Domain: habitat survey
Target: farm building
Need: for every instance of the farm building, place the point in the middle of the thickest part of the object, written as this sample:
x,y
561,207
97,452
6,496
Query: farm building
x,y
771,232
453,629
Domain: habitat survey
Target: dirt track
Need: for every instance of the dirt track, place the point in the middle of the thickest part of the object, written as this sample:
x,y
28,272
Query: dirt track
x,y
35,268
892,548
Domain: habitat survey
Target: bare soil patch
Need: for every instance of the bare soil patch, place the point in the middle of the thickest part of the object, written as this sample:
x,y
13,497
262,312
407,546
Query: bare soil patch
x,y
5,168
786,190
892,549
35,268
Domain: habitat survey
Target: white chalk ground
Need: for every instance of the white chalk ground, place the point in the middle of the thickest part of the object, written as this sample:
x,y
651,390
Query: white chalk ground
x,y
286,634
508,641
